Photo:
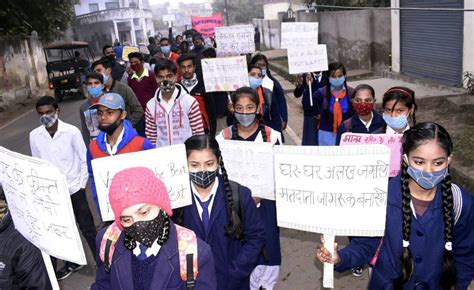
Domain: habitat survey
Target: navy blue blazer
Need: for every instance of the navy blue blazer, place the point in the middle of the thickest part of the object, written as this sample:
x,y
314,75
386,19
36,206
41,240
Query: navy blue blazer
x,y
234,260
167,272
376,127
426,244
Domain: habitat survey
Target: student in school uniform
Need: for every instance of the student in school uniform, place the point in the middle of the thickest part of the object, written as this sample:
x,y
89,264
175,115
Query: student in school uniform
x,y
429,238
143,249
335,102
365,120
249,128
399,107
312,113
223,214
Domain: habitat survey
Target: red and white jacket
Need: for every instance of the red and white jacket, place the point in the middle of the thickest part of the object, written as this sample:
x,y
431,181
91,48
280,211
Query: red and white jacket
x,y
164,127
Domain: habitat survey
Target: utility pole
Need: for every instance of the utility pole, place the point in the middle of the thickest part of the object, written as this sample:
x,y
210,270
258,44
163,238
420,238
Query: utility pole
x,y
226,13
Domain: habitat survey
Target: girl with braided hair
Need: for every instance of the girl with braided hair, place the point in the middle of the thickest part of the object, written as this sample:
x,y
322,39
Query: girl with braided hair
x,y
429,233
233,228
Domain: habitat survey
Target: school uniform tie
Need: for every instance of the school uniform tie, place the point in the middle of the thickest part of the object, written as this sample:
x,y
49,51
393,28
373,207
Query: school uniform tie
x,y
205,212
142,255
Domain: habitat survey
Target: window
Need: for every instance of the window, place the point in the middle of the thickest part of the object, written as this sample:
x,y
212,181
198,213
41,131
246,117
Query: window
x,y
112,5
94,7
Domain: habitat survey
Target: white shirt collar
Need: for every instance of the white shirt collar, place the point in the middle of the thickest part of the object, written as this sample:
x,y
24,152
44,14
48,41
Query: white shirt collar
x,y
60,129
113,149
367,125
153,250
211,196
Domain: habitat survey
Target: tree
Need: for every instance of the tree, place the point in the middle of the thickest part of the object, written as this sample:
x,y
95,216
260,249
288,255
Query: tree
x,y
49,18
239,11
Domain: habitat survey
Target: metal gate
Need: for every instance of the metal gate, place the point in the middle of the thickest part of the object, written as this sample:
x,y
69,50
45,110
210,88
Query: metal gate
x,y
431,42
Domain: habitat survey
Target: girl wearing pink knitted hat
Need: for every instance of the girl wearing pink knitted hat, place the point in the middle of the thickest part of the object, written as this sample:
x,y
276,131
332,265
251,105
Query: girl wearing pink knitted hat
x,y
143,248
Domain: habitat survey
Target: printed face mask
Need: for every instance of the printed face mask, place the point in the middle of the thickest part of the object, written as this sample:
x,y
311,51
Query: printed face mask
x,y
337,82
245,119
166,86
399,122
363,109
203,179
427,180
146,232
48,120
95,92
255,82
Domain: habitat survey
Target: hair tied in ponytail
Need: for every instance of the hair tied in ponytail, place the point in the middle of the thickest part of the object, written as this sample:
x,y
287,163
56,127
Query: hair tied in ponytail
x,y
448,246
406,243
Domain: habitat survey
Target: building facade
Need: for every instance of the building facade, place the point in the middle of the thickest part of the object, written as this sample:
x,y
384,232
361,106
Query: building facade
x,y
101,22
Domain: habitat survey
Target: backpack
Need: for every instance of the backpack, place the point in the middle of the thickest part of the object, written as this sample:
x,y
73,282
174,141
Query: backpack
x,y
457,208
187,248
227,132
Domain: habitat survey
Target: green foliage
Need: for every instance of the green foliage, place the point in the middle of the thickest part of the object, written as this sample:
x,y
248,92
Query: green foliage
x,y
49,18
239,11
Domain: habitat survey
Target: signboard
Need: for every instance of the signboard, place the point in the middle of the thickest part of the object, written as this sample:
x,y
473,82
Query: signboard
x,y
225,74
206,25
40,205
169,164
298,34
308,59
235,40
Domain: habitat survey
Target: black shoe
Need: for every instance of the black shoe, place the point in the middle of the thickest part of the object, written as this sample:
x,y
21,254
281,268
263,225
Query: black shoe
x,y
357,271
67,270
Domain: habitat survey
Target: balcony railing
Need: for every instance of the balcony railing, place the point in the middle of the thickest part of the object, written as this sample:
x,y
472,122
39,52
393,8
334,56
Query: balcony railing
x,y
111,15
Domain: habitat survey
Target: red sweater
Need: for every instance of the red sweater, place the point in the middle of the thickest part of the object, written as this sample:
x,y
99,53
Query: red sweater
x,y
144,88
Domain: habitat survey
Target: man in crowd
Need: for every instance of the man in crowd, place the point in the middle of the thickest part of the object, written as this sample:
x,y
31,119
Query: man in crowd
x,y
116,135
118,70
152,47
165,51
172,115
89,119
195,87
132,105
62,145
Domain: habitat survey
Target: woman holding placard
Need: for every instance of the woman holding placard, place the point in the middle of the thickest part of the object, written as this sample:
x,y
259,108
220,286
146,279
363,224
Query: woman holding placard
x,y
429,237
336,103
223,214
246,108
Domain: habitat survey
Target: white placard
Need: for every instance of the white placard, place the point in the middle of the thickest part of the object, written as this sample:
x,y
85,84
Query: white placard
x,y
250,164
297,34
225,74
169,164
235,40
308,59
332,190
39,202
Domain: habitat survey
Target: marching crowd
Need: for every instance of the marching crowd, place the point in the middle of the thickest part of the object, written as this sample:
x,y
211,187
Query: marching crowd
x,y
160,100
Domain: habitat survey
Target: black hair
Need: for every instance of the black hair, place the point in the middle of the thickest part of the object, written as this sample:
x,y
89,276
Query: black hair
x,y
209,52
164,39
251,67
179,35
47,101
165,64
401,94
95,75
362,87
103,61
187,56
136,54
416,136
151,39
105,47
253,95
258,57
197,36
203,142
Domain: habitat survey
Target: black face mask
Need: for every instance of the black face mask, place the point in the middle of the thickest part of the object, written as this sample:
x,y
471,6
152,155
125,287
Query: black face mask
x,y
203,179
146,232
111,57
110,129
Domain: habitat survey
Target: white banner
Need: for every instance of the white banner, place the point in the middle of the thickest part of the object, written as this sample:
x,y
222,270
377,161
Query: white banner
x,y
169,164
332,190
250,164
39,202
235,40
308,58
298,34
225,74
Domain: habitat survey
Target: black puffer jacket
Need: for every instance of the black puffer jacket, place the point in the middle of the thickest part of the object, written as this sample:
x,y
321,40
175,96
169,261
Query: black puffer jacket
x,y
21,263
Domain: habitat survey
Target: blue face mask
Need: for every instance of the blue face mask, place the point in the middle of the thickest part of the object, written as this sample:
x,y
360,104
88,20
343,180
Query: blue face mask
x,y
337,82
165,49
396,123
427,180
95,92
264,71
255,82
106,78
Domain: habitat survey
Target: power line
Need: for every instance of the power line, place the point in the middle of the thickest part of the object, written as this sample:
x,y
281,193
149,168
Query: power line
x,y
393,8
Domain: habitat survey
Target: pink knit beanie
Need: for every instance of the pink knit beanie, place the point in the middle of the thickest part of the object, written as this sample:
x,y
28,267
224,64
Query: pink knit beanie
x,y
137,185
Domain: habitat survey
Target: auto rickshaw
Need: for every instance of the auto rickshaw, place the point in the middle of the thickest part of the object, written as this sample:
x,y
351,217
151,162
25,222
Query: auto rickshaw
x,y
68,64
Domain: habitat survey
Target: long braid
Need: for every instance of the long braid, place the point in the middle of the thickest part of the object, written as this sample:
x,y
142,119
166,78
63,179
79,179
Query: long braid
x,y
234,132
261,127
448,277
234,228
406,257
